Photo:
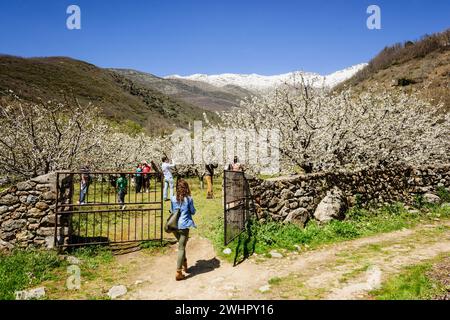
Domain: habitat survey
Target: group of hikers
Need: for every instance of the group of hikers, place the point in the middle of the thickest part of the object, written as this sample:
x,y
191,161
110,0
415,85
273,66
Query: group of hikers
x,y
182,202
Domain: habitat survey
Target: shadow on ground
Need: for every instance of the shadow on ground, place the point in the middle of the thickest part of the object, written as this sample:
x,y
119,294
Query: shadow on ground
x,y
203,266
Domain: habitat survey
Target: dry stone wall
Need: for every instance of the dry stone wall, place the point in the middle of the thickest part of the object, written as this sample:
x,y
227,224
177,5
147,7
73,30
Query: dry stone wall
x,y
297,198
27,214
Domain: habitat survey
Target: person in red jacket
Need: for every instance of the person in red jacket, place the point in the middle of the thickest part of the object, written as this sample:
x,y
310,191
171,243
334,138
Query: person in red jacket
x,y
146,168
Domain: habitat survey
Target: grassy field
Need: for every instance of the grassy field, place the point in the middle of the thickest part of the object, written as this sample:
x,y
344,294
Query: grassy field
x,y
417,282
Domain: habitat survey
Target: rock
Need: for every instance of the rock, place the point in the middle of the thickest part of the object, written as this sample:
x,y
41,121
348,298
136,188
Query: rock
x,y
227,251
275,254
264,288
138,282
13,225
117,291
332,206
299,193
48,220
41,206
24,236
33,226
46,231
36,293
35,212
49,178
49,242
286,194
3,209
73,260
293,205
273,202
298,216
5,245
9,200
7,236
25,186
297,247
31,199
445,205
431,198
4,181
49,195
44,187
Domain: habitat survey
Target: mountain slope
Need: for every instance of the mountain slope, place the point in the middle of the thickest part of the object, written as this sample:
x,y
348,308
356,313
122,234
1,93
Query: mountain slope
x,y
119,98
259,83
200,94
422,66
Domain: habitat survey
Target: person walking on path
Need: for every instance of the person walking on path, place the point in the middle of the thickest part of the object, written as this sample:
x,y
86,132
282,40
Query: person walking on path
x,y
185,204
122,184
168,177
209,175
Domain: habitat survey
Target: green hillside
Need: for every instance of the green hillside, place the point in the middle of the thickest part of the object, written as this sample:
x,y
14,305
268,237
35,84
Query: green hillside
x,y
120,99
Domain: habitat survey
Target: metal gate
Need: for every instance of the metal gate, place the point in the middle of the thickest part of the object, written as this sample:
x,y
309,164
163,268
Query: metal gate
x,y
238,204
108,207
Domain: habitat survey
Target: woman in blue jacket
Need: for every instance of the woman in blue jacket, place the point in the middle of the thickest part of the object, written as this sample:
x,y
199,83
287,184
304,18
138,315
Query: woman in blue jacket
x,y
183,202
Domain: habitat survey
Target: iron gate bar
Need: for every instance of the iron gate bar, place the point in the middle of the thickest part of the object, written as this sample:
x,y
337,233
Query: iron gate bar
x,y
238,204
69,215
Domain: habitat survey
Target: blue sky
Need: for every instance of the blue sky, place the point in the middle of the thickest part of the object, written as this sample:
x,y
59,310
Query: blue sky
x,y
208,36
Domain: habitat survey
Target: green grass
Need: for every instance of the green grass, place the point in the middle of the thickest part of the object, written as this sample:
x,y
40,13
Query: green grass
x,y
26,268
412,283
263,237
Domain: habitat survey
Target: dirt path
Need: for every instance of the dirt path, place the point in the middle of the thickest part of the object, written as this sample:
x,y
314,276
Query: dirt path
x,y
346,270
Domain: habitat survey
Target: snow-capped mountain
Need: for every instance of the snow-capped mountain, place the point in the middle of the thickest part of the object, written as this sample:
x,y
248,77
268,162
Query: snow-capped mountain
x,y
259,83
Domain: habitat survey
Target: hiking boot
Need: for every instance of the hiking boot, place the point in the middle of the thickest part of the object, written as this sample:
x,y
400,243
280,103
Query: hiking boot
x,y
180,276
185,266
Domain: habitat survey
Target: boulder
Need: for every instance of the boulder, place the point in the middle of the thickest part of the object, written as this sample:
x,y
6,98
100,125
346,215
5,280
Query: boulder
x,y
264,288
9,200
286,194
3,209
7,236
117,291
24,236
25,186
298,216
49,178
41,206
31,199
274,202
431,198
35,212
49,195
46,231
73,260
31,294
332,206
11,225
275,254
5,245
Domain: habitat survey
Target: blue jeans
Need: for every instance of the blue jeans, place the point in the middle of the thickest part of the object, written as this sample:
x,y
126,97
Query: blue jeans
x,y
168,183
83,192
